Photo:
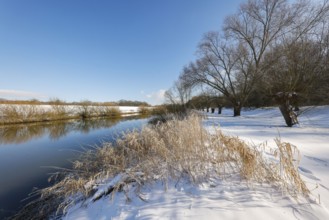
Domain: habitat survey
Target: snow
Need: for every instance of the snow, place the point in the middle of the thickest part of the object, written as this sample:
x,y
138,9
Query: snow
x,y
127,109
220,199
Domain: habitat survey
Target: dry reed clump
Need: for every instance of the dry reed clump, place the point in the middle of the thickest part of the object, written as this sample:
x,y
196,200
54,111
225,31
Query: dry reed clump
x,y
289,158
175,150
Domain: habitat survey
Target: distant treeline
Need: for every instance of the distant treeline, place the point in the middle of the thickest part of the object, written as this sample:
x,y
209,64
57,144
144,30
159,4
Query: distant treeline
x,y
123,102
61,102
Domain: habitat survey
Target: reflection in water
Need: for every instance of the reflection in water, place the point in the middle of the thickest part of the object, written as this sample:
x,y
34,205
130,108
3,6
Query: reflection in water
x,y
55,130
27,152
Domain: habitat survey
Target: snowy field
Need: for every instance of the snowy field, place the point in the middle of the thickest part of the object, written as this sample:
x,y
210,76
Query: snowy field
x,y
232,199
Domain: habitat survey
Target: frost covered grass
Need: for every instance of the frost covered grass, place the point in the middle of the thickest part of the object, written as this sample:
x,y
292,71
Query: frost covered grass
x,y
15,114
178,150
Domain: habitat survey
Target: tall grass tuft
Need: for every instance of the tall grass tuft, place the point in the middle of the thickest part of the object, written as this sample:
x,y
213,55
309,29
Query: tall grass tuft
x,y
289,159
175,150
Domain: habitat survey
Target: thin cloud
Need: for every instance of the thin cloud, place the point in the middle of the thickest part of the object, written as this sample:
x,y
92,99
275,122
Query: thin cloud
x,y
157,97
19,94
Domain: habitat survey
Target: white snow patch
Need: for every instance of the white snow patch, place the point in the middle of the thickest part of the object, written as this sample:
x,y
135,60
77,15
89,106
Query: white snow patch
x,y
233,199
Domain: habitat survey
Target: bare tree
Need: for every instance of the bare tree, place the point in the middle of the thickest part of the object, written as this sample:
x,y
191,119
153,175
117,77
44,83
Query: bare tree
x,y
223,66
297,62
179,93
231,64
261,25
258,24
296,67
265,38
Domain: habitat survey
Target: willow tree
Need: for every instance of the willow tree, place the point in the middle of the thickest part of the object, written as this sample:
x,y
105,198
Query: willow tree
x,y
223,66
231,62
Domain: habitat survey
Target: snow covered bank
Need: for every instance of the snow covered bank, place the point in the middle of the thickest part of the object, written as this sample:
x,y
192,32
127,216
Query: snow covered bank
x,y
221,200
13,113
233,199
76,108
311,137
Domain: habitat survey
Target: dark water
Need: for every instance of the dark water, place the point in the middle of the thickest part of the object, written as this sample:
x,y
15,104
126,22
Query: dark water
x,y
27,153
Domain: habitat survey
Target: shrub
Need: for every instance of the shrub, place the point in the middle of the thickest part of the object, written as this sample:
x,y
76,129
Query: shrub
x,y
85,110
113,112
59,111
10,113
144,111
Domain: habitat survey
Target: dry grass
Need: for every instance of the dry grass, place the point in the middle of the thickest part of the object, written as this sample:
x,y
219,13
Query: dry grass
x,y
175,150
289,159
22,113
16,114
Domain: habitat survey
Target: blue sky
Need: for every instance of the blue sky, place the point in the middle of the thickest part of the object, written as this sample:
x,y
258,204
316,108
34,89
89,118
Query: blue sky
x,y
101,50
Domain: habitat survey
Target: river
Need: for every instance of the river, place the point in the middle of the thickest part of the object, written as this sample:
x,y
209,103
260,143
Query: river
x,y
29,153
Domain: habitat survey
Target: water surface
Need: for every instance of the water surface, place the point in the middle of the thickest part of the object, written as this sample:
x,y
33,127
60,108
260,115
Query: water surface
x,y
27,152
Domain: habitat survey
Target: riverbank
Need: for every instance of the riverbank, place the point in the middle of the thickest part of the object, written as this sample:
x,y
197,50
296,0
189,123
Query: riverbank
x,y
20,114
179,170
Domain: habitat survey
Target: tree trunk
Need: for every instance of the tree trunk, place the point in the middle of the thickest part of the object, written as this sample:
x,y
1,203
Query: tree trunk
x,y
219,109
212,110
207,109
286,109
237,110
